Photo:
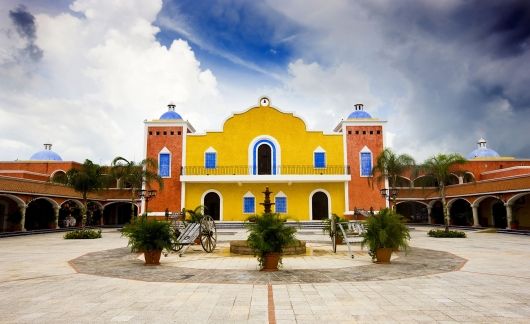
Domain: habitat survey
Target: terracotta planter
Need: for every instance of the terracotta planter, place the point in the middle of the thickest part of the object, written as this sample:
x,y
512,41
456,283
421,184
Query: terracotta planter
x,y
339,240
271,261
152,257
383,255
514,226
197,241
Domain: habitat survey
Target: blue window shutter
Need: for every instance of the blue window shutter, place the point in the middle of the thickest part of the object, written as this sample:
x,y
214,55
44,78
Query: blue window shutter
x,y
366,164
163,165
320,160
281,204
210,160
248,205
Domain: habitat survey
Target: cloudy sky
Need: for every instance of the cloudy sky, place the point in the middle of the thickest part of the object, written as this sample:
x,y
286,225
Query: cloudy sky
x,y
84,74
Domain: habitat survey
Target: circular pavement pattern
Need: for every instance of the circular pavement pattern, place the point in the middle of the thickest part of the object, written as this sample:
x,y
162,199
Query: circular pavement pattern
x,y
121,263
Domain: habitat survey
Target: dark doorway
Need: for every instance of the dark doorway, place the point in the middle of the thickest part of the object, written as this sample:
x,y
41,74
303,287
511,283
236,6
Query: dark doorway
x,y
264,159
212,204
461,213
118,213
413,211
319,206
499,214
39,215
437,213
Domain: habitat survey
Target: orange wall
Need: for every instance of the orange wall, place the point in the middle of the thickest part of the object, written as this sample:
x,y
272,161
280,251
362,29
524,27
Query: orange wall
x,y
478,166
361,193
45,168
169,196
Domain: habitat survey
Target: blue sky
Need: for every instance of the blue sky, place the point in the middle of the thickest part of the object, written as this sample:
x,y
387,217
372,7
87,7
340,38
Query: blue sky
x,y
443,73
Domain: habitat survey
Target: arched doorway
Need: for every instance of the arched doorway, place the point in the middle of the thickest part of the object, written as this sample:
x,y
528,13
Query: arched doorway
x,y
499,214
39,215
70,208
212,205
521,210
264,159
10,214
437,213
413,211
118,213
491,212
319,206
461,213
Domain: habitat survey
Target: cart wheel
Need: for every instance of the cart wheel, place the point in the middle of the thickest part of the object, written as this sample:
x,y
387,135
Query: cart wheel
x,y
175,245
208,234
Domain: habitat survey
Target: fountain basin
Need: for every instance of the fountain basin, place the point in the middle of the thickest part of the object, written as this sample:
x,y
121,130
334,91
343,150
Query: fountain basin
x,y
241,247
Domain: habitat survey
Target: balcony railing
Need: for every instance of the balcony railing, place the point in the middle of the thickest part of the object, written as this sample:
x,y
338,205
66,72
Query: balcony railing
x,y
280,170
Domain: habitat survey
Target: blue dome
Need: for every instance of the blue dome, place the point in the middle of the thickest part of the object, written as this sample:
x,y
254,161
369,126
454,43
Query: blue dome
x,y
170,115
359,114
46,155
482,151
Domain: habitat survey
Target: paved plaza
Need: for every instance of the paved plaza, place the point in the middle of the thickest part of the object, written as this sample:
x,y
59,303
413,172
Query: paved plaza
x,y
484,278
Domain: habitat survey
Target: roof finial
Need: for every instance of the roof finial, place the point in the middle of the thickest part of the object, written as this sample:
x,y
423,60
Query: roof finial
x,y
481,143
359,106
171,106
48,146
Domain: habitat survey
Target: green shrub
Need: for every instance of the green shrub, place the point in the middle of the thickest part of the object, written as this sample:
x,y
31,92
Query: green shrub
x,y
83,234
269,233
443,233
148,235
385,230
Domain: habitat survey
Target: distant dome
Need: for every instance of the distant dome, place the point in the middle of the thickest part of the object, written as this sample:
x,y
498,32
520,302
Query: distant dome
x,y
482,151
46,155
359,112
170,113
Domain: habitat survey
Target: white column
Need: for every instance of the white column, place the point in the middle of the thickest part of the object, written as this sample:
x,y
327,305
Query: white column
x,y
429,218
508,215
476,223
56,210
23,218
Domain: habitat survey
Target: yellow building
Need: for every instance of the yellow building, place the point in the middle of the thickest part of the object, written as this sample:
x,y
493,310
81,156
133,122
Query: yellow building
x,y
227,170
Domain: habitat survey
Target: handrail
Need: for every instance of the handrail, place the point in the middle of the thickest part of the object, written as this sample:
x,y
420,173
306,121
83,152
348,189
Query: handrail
x,y
279,170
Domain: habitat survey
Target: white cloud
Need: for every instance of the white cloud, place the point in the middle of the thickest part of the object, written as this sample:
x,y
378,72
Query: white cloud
x,y
102,74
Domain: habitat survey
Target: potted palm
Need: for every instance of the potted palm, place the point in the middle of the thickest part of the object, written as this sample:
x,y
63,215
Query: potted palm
x,y
384,233
267,238
150,237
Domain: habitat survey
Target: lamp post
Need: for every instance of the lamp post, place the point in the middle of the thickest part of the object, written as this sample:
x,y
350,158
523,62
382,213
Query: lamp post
x,y
146,194
391,194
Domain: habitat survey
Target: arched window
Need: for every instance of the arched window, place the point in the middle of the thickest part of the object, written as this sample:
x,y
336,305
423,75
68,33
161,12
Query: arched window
x,y
210,158
164,163
280,202
319,158
249,203
264,156
365,159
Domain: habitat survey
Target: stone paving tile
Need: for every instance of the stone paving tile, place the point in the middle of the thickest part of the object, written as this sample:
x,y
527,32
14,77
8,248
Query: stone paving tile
x,y
37,285
120,263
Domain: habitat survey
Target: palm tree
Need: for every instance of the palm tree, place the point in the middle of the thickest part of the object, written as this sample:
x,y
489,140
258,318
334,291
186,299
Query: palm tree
x,y
134,175
85,179
390,166
440,167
